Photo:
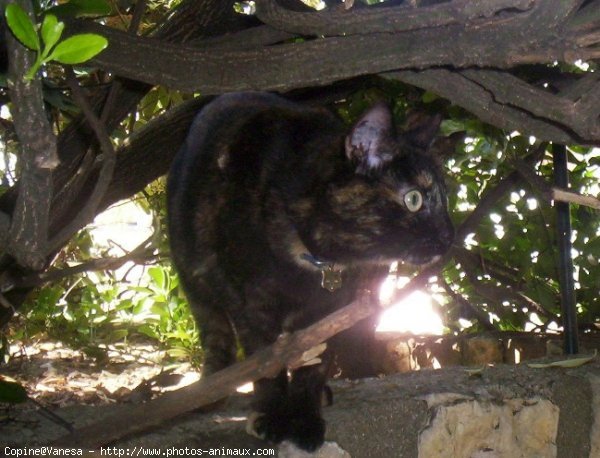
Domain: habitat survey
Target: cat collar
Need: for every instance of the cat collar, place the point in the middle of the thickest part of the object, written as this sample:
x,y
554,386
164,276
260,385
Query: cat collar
x,y
331,277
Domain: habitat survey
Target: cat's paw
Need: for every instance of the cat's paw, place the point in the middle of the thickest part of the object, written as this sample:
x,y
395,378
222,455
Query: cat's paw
x,y
307,432
265,426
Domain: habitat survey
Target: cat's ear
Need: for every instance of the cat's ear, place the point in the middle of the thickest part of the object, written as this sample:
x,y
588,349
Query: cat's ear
x,y
371,142
422,130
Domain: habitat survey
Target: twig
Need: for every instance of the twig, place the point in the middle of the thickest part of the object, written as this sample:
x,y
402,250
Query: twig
x,y
34,280
481,317
551,192
574,198
46,412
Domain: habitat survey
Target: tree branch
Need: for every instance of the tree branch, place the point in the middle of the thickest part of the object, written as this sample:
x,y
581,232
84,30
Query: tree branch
x,y
551,192
141,253
505,101
265,363
29,225
508,90
87,213
468,310
339,21
248,39
283,67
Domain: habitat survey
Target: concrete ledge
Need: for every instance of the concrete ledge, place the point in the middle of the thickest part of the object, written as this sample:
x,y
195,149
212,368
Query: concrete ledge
x,y
504,411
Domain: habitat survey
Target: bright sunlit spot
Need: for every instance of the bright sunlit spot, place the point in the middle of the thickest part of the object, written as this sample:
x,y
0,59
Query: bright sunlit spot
x,y
414,314
119,230
246,388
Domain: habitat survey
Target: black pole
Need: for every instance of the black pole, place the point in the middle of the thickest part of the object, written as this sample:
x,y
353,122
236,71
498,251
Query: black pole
x,y
565,264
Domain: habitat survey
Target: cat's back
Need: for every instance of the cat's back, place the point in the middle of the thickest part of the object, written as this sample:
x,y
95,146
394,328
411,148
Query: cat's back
x,y
242,148
241,134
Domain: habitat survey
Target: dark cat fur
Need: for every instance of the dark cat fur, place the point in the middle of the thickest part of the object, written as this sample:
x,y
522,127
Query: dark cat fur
x,y
262,182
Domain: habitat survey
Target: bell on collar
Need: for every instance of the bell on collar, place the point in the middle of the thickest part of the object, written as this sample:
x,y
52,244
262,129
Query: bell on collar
x,y
331,278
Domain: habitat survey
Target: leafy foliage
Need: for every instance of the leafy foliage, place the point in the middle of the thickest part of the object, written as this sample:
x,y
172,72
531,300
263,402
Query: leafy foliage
x,y
96,309
73,50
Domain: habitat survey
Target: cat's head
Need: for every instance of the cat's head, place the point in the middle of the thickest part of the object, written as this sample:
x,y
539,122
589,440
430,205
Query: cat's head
x,y
394,205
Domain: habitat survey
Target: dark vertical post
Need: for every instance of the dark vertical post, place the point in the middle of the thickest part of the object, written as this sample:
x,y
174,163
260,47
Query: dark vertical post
x,y
563,225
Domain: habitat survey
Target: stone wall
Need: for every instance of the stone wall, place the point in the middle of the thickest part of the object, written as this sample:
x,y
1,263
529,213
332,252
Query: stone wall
x,y
500,412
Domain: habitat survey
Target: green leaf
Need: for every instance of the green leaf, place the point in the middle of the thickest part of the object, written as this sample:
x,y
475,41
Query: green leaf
x,y
78,48
451,126
566,363
21,26
11,392
52,30
118,334
79,8
158,275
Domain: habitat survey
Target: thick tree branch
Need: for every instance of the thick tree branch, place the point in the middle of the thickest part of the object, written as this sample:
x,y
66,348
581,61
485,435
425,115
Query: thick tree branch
x,y
29,224
508,90
509,103
339,21
495,43
248,39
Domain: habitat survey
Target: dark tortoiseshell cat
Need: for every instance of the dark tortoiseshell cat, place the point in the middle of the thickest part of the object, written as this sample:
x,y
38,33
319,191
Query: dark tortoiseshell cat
x,y
267,194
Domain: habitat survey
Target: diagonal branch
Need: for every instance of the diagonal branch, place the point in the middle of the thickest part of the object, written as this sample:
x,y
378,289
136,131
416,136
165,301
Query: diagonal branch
x,y
508,90
468,310
492,195
265,363
87,213
505,101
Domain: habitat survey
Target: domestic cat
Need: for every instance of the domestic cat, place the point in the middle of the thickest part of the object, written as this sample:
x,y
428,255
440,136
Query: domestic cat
x,y
279,214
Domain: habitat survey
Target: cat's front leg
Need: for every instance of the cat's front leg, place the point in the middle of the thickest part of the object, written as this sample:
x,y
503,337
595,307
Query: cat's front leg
x,y
270,406
307,392
297,415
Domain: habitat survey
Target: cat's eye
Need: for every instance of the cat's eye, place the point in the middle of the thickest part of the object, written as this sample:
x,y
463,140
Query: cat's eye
x,y
413,200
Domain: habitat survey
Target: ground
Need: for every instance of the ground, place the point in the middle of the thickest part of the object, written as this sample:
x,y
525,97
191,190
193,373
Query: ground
x,y
58,376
